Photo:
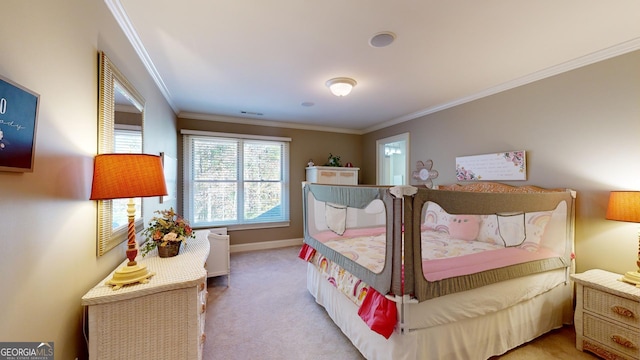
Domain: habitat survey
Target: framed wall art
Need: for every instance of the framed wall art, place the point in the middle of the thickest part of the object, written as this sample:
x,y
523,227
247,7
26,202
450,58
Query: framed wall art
x,y
508,165
18,118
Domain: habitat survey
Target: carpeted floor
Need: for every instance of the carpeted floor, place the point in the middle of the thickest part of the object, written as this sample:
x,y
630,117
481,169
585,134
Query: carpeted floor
x,y
267,313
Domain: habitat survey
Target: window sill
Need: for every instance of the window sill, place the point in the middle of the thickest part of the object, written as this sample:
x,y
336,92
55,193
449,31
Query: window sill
x,y
234,227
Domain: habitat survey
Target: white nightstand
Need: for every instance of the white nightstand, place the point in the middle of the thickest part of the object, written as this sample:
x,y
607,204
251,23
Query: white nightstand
x,y
607,316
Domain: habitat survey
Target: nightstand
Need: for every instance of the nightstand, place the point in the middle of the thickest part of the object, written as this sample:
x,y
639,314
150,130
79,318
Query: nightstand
x,y
607,316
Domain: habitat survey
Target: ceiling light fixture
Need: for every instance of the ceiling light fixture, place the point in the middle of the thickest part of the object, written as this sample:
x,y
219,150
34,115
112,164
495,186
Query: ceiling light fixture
x,y
382,39
341,86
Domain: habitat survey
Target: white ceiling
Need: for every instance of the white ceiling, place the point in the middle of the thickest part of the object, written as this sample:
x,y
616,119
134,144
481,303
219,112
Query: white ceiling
x,y
223,57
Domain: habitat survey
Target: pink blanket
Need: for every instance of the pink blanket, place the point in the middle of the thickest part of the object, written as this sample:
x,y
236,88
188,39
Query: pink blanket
x,y
439,269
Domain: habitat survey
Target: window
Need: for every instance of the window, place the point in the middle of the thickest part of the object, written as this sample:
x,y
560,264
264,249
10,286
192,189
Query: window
x,y
235,180
127,139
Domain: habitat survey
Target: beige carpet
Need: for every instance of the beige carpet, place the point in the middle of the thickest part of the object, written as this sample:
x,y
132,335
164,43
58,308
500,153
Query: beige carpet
x,y
267,313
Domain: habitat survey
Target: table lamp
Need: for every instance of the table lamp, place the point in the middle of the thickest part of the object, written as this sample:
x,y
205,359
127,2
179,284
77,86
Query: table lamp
x,y
625,206
120,176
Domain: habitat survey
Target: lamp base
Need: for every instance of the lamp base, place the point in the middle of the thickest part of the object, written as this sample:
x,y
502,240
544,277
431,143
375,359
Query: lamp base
x,y
632,277
130,274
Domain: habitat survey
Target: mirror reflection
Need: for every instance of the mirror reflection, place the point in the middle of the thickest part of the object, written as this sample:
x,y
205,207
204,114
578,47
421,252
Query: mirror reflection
x,y
121,117
127,139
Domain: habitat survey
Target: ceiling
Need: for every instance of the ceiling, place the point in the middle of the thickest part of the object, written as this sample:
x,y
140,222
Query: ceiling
x,y
271,59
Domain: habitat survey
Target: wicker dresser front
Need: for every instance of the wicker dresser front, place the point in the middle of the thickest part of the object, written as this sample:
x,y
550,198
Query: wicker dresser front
x,y
162,319
607,317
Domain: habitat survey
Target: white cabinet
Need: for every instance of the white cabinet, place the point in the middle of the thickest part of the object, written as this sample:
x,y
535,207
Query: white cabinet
x,y
332,175
218,262
162,319
607,316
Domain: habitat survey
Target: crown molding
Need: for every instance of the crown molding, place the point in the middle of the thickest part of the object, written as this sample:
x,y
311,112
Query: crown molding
x,y
613,51
246,121
125,24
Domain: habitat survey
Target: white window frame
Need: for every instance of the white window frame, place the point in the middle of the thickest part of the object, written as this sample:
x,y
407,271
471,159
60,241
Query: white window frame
x,y
188,205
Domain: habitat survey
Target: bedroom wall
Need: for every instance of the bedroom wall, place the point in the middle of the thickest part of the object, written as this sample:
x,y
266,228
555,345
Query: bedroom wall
x,y
580,130
48,257
305,145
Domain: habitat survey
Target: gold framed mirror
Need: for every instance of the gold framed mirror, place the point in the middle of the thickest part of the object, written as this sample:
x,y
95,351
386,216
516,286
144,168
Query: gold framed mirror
x,y
120,116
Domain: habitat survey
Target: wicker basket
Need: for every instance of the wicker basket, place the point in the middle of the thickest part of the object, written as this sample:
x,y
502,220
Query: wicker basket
x,y
171,249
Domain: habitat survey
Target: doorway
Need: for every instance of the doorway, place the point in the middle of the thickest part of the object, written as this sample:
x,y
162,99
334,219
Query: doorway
x,y
393,160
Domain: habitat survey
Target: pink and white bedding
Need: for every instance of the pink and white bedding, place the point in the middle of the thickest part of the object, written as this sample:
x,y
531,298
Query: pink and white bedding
x,y
446,257
443,256
352,287
374,309
440,256
366,247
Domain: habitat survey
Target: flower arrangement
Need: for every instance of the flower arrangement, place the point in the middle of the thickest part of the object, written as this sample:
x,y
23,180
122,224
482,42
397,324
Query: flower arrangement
x,y
333,160
169,227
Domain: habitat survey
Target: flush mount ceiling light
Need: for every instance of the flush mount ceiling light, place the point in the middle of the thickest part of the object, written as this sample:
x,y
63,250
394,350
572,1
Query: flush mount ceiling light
x,y
341,86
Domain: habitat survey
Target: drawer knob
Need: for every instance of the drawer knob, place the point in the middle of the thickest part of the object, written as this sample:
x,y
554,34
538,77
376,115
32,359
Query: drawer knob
x,y
620,340
203,309
621,310
201,286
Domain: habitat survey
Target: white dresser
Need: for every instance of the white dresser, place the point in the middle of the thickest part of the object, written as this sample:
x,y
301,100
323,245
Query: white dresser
x,y
332,175
162,319
607,317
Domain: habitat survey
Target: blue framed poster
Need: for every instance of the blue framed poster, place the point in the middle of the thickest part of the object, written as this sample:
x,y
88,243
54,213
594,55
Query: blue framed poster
x,y
18,117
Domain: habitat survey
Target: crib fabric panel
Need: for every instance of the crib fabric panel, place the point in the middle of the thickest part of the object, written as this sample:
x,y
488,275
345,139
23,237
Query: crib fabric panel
x,y
463,202
402,272
358,197
351,196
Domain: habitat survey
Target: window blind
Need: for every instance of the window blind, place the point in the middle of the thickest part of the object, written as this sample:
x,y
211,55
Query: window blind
x,y
235,181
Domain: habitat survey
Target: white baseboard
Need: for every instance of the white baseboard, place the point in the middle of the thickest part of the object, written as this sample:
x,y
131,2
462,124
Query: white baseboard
x,y
264,245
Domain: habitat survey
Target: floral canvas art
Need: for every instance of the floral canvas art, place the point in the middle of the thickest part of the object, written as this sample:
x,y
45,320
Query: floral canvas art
x,y
508,165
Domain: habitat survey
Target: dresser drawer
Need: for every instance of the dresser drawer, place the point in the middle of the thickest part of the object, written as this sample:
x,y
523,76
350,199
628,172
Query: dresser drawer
x,y
333,175
623,340
613,307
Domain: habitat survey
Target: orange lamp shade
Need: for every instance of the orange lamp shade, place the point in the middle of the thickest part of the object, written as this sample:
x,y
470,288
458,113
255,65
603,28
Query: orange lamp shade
x,y
118,176
624,206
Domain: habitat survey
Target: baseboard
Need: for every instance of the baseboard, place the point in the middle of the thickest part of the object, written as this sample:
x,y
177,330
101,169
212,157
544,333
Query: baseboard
x,y
265,245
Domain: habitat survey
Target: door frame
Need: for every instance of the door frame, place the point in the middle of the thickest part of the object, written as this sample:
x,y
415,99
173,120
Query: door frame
x,y
380,143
